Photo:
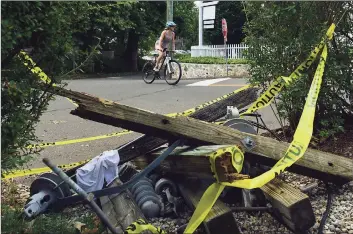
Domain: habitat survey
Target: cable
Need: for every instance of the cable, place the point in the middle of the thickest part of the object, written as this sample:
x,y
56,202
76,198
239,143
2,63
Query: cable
x,y
327,211
342,16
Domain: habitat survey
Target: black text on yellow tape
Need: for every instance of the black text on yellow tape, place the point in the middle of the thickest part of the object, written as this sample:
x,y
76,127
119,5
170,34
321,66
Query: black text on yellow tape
x,y
199,107
35,171
276,86
294,152
29,63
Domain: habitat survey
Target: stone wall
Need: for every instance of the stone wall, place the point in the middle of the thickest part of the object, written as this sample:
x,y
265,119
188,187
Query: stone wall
x,y
192,70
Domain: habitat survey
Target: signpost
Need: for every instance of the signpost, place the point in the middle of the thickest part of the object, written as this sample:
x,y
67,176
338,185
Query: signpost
x,y
170,17
225,32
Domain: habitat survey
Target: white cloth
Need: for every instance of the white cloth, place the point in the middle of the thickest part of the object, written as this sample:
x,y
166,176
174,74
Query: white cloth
x,y
91,176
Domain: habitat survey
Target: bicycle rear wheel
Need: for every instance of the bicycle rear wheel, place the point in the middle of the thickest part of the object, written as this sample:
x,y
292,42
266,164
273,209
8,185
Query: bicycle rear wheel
x,y
148,73
172,77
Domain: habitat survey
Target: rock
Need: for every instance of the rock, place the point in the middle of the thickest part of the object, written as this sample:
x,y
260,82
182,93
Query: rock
x,y
331,227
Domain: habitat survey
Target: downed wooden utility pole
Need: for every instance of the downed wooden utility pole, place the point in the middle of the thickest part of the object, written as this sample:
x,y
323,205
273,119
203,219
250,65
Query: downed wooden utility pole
x,y
292,207
314,163
209,111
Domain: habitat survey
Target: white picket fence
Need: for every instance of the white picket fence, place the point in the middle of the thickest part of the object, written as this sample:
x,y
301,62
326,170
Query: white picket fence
x,y
234,51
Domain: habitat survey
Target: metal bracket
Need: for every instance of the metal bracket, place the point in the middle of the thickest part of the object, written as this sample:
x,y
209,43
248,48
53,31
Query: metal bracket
x,y
39,203
232,112
248,142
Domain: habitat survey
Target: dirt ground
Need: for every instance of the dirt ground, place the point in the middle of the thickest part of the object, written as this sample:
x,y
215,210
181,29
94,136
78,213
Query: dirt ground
x,y
341,144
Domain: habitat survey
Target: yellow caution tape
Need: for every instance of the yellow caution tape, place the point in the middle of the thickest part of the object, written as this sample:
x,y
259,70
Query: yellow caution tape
x,y
85,139
301,138
276,86
27,172
294,152
237,159
141,225
79,140
20,173
35,171
46,79
38,71
212,193
208,199
192,110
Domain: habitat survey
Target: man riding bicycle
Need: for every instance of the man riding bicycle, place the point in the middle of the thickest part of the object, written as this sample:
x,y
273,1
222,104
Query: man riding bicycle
x,y
167,37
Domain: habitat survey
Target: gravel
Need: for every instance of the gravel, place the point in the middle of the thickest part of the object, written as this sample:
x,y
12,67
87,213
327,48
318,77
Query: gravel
x,y
340,218
339,221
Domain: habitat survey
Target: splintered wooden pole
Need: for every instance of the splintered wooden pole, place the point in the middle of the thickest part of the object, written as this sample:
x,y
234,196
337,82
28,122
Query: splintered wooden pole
x,y
292,207
314,163
209,111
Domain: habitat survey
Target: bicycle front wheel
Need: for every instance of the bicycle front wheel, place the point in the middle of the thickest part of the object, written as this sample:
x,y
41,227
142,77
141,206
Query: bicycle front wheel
x,y
148,73
173,76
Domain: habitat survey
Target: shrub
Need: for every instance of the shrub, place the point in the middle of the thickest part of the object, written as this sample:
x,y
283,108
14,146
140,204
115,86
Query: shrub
x,y
186,58
280,35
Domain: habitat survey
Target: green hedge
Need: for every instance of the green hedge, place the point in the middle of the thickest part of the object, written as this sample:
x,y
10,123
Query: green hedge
x,y
186,58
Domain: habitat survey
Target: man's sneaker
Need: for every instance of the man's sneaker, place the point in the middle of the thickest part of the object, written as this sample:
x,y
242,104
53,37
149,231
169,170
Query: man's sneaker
x,y
155,69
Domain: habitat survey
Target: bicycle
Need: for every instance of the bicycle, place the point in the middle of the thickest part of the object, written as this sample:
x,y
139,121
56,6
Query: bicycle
x,y
149,75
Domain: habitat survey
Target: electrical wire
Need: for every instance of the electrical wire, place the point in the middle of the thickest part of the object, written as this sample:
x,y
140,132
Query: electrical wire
x,y
328,208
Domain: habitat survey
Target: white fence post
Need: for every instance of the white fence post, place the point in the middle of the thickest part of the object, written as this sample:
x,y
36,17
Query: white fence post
x,y
234,51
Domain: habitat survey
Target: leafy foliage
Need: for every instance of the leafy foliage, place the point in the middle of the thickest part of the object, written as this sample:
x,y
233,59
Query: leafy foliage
x,y
182,58
21,107
47,29
281,35
186,17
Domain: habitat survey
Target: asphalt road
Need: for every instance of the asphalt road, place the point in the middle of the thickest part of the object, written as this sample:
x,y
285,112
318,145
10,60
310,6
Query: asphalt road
x,y
58,124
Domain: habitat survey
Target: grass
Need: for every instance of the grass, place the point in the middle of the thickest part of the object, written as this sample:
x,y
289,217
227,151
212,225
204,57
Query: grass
x,y
52,223
186,58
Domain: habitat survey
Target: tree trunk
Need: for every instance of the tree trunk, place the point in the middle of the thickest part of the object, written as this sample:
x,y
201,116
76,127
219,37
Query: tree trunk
x,y
131,52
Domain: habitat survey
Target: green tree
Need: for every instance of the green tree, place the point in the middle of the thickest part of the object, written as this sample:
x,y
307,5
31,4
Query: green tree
x,y
281,35
47,28
186,17
60,35
126,28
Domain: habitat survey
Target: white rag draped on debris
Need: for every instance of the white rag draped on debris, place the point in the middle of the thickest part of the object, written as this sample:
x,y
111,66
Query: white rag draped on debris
x,y
103,167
